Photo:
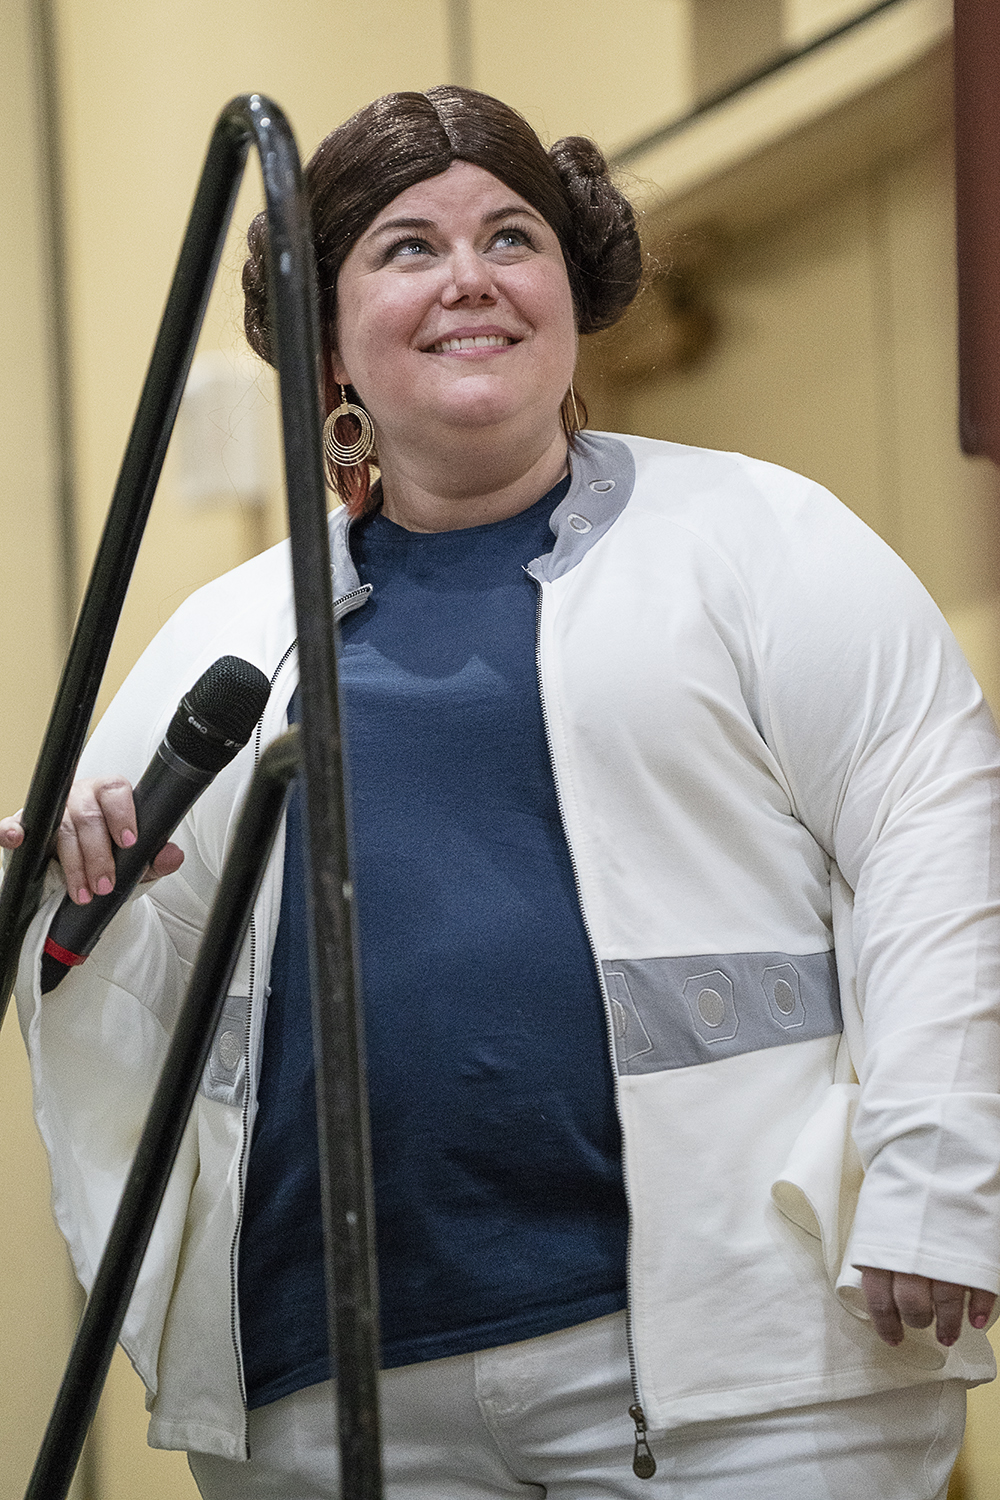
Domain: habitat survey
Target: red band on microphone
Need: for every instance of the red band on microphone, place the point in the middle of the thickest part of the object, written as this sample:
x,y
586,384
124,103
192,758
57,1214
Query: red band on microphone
x,y
64,956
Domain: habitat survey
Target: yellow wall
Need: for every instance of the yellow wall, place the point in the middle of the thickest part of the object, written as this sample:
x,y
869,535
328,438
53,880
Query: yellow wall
x,y
574,67
30,591
37,1292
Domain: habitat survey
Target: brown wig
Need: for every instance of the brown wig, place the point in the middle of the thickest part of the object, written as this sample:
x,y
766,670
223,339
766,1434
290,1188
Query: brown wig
x,y
402,139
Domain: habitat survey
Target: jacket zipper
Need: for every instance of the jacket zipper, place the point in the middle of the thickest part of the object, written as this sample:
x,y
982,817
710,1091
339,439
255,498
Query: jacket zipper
x,y
342,606
643,1462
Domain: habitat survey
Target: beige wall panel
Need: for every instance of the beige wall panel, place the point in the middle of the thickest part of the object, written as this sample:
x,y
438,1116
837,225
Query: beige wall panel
x,y
793,374
37,1296
731,38
949,524
582,67
29,599
948,505
805,19
143,84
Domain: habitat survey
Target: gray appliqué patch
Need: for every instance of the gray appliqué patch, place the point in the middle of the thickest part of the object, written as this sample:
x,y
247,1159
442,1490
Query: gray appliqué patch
x,y
712,1005
631,1037
678,1012
224,1075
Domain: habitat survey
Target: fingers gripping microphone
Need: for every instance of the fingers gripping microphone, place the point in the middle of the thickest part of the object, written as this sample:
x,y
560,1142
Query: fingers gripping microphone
x,y
213,721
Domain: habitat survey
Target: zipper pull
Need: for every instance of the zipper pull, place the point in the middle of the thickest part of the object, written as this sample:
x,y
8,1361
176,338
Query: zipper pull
x,y
643,1462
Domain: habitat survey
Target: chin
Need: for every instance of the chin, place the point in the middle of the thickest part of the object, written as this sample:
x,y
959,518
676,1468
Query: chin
x,y
484,413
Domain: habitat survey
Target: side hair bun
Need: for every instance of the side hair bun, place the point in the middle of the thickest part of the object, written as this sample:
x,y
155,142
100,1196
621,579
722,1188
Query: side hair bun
x,y
256,323
603,256
579,154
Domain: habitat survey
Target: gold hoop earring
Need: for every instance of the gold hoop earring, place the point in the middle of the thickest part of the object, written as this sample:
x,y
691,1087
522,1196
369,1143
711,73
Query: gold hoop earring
x,y
347,454
576,415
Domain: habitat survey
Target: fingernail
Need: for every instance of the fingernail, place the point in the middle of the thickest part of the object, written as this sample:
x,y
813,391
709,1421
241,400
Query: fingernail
x,y
979,1321
128,839
104,886
83,895
948,1341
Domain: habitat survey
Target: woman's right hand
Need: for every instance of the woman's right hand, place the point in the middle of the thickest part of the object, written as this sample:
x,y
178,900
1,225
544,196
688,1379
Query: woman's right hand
x,y
99,816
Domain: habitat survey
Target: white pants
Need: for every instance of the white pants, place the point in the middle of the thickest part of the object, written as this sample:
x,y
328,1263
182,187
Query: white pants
x,y
548,1417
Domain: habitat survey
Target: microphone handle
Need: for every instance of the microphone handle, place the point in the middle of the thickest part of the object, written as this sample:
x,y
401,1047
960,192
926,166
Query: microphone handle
x,y
168,787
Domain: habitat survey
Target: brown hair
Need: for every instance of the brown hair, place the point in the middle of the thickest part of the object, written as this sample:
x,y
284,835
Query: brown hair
x,y
402,139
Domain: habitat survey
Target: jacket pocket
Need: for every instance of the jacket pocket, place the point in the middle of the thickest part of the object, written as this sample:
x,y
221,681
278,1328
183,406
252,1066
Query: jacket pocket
x,y
818,1190
819,1184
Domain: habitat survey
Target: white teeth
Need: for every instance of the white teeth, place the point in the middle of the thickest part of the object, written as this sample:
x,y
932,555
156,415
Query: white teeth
x,y
482,341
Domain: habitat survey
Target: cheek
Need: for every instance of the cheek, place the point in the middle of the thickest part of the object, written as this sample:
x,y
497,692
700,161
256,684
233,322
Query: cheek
x,y
553,309
565,339
368,327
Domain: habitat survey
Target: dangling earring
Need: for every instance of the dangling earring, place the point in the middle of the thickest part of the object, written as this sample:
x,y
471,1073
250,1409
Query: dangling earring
x,y
347,454
569,414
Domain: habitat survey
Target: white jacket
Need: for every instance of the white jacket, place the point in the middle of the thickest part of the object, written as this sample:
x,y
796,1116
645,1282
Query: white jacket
x,y
763,737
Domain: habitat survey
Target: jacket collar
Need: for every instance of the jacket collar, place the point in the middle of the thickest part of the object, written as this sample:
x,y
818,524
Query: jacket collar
x,y
602,479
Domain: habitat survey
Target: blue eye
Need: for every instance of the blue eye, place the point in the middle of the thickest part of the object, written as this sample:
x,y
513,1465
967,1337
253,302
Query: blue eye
x,y
407,247
512,236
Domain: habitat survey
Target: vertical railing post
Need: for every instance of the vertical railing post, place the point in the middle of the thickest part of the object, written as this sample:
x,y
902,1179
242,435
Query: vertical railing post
x,y
341,1087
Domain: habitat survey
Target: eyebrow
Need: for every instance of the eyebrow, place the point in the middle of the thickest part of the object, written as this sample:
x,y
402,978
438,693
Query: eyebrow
x,y
493,217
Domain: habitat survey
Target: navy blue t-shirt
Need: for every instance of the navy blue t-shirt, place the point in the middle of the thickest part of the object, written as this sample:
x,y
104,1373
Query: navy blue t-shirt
x,y
500,1207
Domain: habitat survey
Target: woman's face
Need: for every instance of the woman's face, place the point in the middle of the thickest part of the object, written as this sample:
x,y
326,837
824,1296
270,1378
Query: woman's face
x,y
454,314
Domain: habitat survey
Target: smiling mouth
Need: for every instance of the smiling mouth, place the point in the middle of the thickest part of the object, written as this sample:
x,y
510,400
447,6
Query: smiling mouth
x,y
481,341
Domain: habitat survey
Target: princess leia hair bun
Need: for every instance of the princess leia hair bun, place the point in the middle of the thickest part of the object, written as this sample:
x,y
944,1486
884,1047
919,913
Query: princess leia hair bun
x,y
603,256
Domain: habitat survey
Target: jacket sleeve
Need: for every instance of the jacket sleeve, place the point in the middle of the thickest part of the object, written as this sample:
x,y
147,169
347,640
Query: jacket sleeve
x,y
892,759
96,1044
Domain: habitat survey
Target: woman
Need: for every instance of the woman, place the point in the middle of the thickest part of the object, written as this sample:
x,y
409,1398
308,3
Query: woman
x,y
623,1165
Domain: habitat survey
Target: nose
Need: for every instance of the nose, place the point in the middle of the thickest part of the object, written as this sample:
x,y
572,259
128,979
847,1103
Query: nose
x,y
471,278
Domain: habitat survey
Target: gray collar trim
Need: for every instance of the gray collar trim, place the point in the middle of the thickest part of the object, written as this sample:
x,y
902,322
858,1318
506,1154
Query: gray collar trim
x,y
345,574
603,477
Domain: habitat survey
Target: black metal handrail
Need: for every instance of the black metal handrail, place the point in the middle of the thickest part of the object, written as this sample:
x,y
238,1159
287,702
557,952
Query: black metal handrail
x,y
345,1171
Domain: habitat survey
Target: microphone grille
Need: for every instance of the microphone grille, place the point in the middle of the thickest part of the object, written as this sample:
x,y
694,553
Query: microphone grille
x,y
217,716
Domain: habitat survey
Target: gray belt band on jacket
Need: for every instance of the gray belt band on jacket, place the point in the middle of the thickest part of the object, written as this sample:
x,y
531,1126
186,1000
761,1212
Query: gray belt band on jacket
x,y
677,1012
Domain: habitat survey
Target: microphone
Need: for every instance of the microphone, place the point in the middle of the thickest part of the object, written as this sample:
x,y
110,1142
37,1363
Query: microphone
x,y
213,721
